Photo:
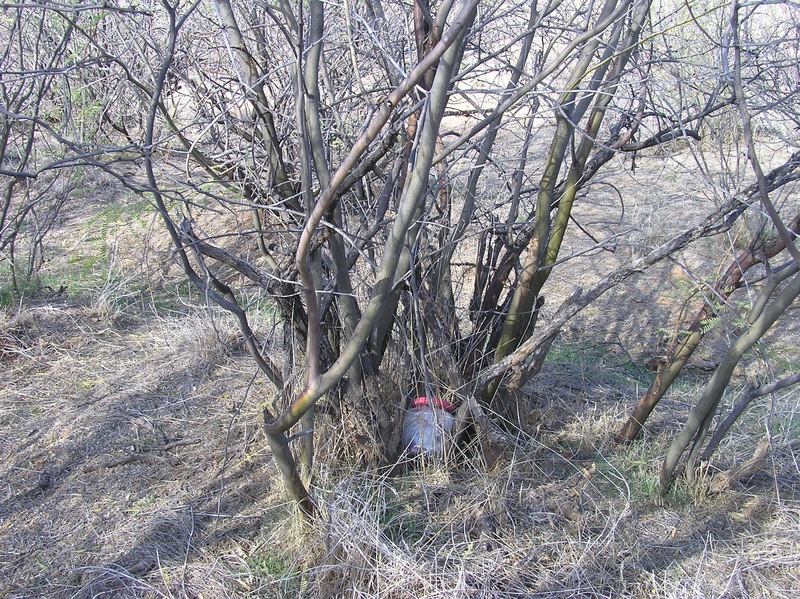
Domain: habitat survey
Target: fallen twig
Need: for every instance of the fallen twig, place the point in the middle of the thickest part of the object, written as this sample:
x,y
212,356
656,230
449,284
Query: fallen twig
x,y
722,481
146,456
174,444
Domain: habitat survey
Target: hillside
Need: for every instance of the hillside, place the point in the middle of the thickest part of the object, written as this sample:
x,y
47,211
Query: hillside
x,y
134,462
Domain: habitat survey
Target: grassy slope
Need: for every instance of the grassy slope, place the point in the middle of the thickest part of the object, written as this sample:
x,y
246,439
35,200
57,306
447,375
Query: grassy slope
x,y
133,465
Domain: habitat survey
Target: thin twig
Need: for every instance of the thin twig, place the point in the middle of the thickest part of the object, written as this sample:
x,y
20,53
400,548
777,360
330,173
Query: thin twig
x,y
147,456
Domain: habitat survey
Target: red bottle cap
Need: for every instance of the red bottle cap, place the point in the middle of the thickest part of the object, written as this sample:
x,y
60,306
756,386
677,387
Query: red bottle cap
x,y
436,402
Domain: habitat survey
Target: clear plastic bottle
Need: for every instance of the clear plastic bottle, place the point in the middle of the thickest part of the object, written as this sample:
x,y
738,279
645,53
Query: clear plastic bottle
x,y
428,427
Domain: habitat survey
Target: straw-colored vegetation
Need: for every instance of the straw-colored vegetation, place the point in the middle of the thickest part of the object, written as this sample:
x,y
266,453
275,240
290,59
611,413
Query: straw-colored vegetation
x,y
238,239
134,465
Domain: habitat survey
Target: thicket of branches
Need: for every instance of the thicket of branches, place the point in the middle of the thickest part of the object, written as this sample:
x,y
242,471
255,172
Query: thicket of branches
x,y
375,169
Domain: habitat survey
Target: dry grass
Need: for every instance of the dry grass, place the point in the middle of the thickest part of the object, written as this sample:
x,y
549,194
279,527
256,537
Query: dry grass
x,y
567,513
133,465
122,444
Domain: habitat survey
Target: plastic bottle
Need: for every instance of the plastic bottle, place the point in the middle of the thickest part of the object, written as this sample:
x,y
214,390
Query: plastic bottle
x,y
427,427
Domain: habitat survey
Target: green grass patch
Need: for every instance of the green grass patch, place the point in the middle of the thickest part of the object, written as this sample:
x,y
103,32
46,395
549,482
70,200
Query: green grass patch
x,y
602,362
267,565
632,471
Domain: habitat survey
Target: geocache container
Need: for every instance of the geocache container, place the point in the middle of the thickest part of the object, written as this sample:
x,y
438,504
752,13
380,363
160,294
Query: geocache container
x,y
428,427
